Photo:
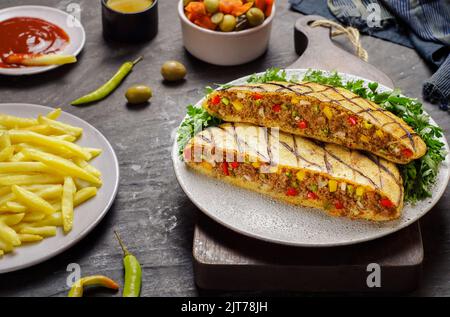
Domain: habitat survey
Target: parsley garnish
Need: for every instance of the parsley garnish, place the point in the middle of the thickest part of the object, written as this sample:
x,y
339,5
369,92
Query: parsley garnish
x,y
196,120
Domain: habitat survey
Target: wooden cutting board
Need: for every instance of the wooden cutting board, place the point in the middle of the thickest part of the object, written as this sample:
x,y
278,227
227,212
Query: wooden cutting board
x,y
225,260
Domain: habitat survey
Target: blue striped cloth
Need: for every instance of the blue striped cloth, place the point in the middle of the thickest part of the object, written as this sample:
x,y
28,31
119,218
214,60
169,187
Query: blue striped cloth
x,y
420,24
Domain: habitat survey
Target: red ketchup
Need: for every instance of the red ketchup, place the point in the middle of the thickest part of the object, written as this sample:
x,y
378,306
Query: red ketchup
x,y
25,35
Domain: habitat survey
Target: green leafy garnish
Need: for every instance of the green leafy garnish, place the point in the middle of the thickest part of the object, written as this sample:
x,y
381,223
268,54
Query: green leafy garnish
x,y
197,119
272,74
420,175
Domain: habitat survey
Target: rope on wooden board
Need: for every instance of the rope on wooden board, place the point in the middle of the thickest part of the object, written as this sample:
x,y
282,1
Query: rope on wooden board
x,y
351,33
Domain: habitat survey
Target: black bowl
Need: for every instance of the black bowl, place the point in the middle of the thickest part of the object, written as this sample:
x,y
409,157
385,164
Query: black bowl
x,y
130,27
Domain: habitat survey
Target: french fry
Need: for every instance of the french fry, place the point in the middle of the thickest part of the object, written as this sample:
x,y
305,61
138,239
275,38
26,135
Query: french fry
x,y
54,114
94,152
18,157
29,238
62,165
12,220
67,128
33,217
32,201
51,220
5,190
86,166
83,195
6,153
11,180
9,235
48,231
19,136
51,192
24,167
67,203
40,59
12,122
6,246
65,137
5,141
43,129
12,207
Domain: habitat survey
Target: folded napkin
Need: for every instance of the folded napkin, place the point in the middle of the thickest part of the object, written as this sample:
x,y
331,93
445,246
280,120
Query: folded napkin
x,y
423,25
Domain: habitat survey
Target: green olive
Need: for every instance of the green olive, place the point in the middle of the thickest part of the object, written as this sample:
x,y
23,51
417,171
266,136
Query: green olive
x,y
212,6
173,71
138,94
228,23
217,18
255,16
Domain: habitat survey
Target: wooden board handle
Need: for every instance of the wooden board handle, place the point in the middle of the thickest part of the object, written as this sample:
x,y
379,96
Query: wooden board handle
x,y
318,51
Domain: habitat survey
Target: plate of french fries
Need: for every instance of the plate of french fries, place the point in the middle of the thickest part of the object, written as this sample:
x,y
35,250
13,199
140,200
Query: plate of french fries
x,y
58,178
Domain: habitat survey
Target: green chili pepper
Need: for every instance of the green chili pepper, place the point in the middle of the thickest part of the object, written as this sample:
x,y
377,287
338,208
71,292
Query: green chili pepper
x,y
97,280
133,273
105,90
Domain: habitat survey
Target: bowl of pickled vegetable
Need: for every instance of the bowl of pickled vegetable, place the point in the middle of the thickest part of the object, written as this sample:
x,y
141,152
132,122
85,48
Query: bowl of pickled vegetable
x,y
226,32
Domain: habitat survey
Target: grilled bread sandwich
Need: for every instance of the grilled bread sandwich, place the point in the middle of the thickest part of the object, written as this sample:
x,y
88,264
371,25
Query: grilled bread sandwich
x,y
297,170
321,112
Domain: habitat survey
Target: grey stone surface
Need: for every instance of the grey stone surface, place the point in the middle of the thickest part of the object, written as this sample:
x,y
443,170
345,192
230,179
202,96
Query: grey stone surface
x,y
151,212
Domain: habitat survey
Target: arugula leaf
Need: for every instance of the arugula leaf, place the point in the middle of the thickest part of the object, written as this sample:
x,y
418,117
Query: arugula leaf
x,y
420,175
197,119
272,74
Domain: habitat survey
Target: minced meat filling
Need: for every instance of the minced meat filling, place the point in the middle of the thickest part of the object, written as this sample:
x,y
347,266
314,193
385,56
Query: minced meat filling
x,y
338,197
311,118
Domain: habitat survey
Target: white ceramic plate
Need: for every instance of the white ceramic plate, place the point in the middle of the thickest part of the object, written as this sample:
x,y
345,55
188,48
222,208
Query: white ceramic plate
x,y
260,217
65,21
87,215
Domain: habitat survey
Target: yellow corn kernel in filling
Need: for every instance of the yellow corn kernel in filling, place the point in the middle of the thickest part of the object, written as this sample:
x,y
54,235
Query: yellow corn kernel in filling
x,y
300,175
364,138
295,100
328,113
237,105
359,191
207,166
379,133
332,185
256,164
367,125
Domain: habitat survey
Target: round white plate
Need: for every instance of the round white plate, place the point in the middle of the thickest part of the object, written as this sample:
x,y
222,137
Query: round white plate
x,y
60,18
260,217
87,215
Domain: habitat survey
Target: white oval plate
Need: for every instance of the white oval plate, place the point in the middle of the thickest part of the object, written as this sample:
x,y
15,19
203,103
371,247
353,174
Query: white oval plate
x,y
60,18
260,217
87,215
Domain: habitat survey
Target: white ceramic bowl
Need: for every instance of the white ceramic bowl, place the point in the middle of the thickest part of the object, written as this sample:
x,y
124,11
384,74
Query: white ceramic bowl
x,y
222,48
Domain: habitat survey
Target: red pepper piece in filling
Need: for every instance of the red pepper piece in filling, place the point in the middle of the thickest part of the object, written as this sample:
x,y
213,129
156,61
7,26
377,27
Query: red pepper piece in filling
x,y
407,152
291,192
257,96
276,108
215,100
234,165
386,203
225,169
352,121
312,195
338,204
302,124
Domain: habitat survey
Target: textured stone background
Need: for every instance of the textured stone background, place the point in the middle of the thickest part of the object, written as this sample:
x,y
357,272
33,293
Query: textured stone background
x,y
154,216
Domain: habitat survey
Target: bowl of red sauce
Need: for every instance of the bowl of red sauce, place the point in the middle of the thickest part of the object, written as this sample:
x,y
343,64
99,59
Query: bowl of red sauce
x,y
37,30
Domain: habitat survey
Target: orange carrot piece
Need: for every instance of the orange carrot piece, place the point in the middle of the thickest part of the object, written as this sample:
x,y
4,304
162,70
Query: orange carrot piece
x,y
196,7
242,9
205,22
227,6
